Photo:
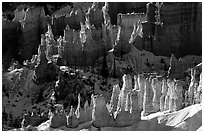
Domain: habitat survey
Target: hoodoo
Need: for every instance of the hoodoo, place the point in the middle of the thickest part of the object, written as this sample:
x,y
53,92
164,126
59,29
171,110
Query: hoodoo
x,y
102,66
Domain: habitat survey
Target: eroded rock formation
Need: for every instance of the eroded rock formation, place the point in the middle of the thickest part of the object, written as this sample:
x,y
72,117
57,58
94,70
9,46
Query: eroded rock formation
x,y
44,81
163,94
100,114
156,86
148,97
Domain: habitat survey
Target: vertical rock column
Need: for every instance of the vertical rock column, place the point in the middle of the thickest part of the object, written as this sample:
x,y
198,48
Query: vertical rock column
x,y
156,87
83,114
60,47
191,88
88,110
172,67
100,113
141,85
136,87
114,98
58,118
41,62
166,102
172,94
72,120
199,91
127,87
148,96
123,114
179,95
128,103
78,109
163,95
49,43
136,102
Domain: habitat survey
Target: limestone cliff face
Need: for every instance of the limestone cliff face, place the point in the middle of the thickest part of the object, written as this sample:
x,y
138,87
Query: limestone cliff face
x,y
81,45
32,28
95,16
90,39
72,19
77,52
11,37
27,27
177,34
178,29
125,7
129,20
184,20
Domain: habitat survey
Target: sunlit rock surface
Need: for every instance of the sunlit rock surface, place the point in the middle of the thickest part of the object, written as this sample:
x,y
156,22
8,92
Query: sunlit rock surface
x,y
86,74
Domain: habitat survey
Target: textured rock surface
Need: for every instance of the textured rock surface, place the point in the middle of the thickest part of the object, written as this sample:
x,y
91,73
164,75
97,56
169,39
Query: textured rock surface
x,y
173,20
148,97
33,27
198,97
179,93
32,30
44,71
129,20
95,16
73,18
141,85
114,98
100,114
19,15
85,113
10,42
127,87
163,94
72,120
58,118
192,88
42,85
156,86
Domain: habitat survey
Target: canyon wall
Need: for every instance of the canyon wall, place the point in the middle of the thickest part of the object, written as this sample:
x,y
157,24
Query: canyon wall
x,y
33,25
23,34
125,7
179,31
11,35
